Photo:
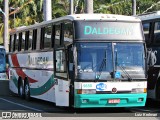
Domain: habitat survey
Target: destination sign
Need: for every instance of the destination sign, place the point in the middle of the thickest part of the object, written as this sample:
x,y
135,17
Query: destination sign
x,y
107,30
93,30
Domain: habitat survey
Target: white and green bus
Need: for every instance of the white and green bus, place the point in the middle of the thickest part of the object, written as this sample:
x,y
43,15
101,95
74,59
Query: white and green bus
x,y
80,61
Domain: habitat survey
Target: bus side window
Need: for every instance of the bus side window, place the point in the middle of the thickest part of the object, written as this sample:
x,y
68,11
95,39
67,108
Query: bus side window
x,y
11,43
16,42
157,32
23,41
147,29
47,37
38,39
34,39
20,42
53,36
26,40
68,33
30,40
42,38
57,35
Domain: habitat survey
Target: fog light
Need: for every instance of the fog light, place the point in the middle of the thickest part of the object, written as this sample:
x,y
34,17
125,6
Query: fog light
x,y
85,101
140,99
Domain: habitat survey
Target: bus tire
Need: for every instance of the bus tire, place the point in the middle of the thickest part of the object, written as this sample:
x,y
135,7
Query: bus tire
x,y
20,88
27,90
158,90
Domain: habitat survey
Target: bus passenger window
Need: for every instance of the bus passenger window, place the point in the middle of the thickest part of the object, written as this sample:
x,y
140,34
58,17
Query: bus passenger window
x,y
26,39
57,35
12,43
16,42
34,39
157,32
68,33
30,40
47,37
20,42
23,42
146,28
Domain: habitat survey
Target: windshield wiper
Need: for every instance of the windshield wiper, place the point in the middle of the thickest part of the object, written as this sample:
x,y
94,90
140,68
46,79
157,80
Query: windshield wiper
x,y
126,73
100,69
101,66
122,68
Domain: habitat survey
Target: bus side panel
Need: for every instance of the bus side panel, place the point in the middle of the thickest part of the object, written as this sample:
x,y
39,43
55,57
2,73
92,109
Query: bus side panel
x,y
13,78
38,69
13,81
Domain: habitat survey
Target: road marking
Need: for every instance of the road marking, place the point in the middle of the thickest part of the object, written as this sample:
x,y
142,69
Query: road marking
x,y
22,105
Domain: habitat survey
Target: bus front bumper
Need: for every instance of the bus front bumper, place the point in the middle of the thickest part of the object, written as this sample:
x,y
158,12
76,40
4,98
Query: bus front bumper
x,y
103,100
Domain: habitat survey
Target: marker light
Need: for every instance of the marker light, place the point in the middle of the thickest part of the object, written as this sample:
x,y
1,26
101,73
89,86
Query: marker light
x,y
139,90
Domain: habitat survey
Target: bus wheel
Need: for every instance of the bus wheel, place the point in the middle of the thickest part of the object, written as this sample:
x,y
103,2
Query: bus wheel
x,y
158,90
27,90
20,89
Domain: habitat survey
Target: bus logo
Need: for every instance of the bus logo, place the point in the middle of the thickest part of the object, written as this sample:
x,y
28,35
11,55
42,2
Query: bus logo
x,y
117,74
101,87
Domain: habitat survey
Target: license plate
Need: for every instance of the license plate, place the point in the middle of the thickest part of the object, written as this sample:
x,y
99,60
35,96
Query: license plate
x,y
114,101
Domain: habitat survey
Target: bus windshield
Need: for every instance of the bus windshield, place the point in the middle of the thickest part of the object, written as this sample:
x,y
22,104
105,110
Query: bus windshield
x,y
95,60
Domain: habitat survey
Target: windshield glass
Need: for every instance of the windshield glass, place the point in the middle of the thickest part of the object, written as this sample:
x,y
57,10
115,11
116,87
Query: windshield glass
x,y
129,60
129,54
95,60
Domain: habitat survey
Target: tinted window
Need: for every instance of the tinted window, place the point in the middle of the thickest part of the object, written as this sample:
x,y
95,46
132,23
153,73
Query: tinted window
x,y
16,42
157,32
12,43
30,39
47,36
57,35
20,42
34,40
23,42
146,28
68,33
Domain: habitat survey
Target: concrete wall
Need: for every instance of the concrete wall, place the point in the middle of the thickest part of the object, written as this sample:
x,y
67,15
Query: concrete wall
x,y
4,87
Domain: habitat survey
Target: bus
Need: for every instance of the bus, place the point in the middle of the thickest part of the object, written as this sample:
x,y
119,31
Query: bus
x,y
151,27
80,61
3,75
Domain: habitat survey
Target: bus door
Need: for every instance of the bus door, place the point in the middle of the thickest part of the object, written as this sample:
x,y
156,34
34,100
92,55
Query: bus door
x,y
61,78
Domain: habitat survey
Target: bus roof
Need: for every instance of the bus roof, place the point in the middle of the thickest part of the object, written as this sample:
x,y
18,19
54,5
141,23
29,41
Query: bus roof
x,y
84,17
150,15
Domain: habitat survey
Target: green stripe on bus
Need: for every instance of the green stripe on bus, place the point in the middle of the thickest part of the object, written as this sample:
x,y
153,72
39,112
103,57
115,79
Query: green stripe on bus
x,y
43,89
15,81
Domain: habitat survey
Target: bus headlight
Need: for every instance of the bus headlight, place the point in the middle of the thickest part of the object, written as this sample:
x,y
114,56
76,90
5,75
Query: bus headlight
x,y
139,90
86,91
